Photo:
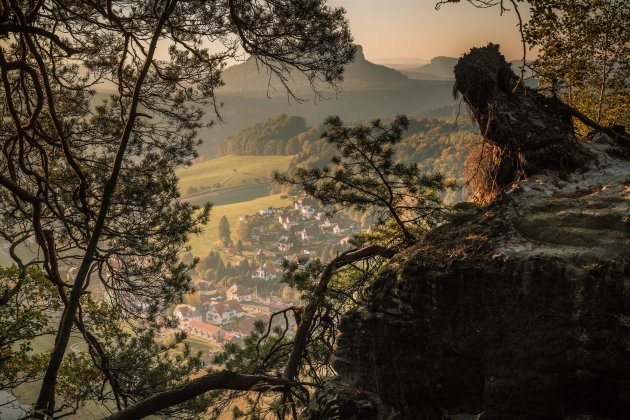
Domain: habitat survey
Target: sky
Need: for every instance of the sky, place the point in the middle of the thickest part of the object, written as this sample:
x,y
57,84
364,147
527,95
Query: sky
x,y
403,29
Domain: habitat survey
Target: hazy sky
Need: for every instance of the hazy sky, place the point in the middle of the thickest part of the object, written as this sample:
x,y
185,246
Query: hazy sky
x,y
413,28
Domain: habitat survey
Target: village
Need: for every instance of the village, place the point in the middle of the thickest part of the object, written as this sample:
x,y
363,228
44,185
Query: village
x,y
239,285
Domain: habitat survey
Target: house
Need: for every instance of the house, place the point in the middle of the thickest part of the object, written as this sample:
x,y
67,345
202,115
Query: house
x,y
307,212
265,272
341,228
220,313
231,337
255,307
266,212
236,306
289,221
303,202
309,233
185,312
319,216
205,330
285,246
238,293
246,325
206,291
330,221
203,287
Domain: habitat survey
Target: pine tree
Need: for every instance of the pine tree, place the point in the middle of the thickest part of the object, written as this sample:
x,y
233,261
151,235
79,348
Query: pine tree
x,y
224,232
366,175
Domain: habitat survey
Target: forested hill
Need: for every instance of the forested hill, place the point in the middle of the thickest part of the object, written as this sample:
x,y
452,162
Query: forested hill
x,y
437,145
277,135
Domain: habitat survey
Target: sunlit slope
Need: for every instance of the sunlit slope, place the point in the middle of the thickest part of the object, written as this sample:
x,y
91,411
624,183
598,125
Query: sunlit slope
x,y
203,243
230,171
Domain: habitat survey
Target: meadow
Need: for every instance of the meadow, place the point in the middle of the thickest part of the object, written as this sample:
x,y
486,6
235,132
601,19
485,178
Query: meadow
x,y
230,171
202,244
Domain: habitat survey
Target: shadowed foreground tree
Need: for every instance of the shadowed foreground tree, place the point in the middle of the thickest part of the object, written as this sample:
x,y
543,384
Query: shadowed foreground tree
x,y
88,192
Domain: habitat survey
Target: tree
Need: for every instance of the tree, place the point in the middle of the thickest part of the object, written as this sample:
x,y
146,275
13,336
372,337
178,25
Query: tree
x,y
88,186
242,231
366,175
583,47
225,235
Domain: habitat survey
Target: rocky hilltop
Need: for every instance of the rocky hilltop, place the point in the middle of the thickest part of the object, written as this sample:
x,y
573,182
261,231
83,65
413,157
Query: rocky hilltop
x,y
360,74
516,309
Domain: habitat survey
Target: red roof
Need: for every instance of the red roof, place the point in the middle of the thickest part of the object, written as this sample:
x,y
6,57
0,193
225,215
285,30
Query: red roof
x,y
186,310
277,306
213,329
230,336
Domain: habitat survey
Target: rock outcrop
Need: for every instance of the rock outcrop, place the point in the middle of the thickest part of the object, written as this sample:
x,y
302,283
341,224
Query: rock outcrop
x,y
515,310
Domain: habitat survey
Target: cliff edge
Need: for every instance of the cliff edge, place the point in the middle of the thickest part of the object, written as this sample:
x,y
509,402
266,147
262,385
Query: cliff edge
x,y
519,309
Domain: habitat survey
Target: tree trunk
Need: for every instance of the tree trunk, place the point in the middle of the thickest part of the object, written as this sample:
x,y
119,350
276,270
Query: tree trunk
x,y
532,132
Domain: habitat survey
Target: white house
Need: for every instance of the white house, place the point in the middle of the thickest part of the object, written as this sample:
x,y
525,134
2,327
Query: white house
x,y
285,246
238,293
222,312
185,312
330,221
308,212
205,330
265,272
341,228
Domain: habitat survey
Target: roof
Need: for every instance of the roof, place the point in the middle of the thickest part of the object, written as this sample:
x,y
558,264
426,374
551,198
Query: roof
x,y
277,306
213,329
234,304
343,225
267,269
185,310
202,285
247,325
228,305
231,336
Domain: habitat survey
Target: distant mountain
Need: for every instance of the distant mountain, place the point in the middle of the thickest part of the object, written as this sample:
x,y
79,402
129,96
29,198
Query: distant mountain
x,y
414,74
440,68
360,74
368,91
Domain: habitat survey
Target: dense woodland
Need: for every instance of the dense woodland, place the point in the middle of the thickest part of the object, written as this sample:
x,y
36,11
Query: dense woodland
x,y
436,145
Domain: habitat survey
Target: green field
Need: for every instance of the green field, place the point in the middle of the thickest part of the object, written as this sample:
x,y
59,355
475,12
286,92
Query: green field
x,y
230,171
203,243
